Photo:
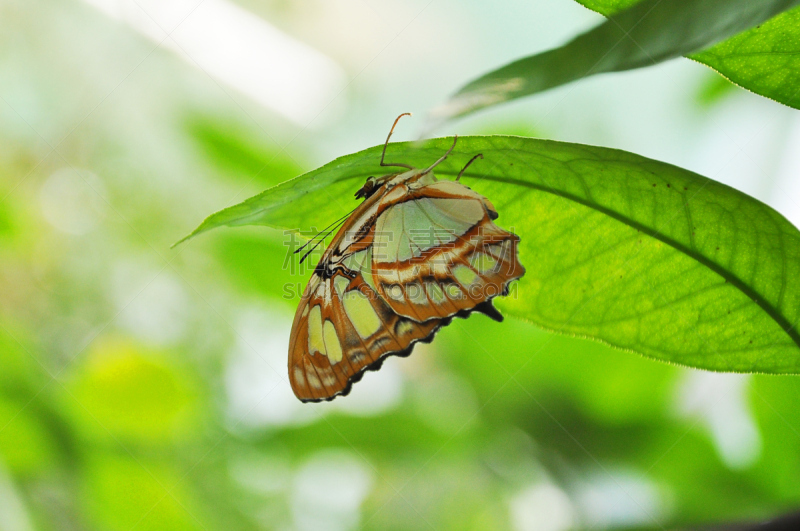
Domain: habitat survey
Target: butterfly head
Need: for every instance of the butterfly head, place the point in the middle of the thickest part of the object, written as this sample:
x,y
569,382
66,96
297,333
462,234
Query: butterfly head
x,y
369,188
373,184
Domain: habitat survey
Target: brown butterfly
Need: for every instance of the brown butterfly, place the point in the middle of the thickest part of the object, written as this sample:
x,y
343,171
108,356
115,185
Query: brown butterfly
x,y
416,253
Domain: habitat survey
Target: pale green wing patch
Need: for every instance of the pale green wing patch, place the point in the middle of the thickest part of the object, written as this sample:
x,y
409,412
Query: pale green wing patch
x,y
407,229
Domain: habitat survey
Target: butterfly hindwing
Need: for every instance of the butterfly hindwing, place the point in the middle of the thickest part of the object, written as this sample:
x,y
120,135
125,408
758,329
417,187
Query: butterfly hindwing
x,y
439,253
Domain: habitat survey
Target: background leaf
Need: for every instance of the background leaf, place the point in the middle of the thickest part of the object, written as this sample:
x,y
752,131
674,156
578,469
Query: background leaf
x,y
764,59
647,33
634,252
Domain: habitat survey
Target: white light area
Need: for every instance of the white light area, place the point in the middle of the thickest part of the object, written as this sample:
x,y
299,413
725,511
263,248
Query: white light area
x,y
619,499
258,365
720,400
786,195
542,507
13,515
736,144
375,393
152,305
256,376
71,202
328,491
241,50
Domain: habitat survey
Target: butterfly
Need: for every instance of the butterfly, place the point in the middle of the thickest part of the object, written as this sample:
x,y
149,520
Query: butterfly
x,y
416,253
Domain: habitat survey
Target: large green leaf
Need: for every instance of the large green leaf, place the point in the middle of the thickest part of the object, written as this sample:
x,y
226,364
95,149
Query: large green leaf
x,y
636,253
645,34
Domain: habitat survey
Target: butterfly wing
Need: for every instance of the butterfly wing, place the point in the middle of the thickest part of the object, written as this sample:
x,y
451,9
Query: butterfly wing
x,y
438,253
342,328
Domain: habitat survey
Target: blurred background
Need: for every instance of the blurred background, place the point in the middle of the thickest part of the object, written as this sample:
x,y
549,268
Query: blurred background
x,y
146,388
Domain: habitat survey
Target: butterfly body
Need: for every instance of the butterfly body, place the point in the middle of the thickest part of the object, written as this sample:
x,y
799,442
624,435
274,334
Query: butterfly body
x,y
416,253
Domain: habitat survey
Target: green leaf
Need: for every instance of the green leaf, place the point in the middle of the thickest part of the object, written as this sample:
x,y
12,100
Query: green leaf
x,y
645,34
637,253
608,7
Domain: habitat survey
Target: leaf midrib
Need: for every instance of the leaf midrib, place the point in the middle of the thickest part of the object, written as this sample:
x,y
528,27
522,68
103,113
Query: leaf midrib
x,y
731,278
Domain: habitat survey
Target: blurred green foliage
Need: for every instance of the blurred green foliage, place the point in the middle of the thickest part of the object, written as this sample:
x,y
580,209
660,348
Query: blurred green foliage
x,y
241,152
131,395
714,89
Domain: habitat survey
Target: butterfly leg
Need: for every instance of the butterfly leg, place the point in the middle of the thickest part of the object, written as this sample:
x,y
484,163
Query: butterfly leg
x,y
432,166
385,144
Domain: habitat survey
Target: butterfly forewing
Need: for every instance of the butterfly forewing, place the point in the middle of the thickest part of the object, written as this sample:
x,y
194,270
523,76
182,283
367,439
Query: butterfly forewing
x,y
415,254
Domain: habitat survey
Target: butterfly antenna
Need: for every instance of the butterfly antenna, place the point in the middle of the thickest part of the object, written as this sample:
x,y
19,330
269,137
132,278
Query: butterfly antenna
x,y
479,155
385,144
315,236
308,253
338,221
432,166
319,242
338,224
312,249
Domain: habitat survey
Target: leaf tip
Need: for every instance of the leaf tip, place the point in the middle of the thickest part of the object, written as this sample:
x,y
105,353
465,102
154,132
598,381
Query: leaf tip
x,y
177,243
201,228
